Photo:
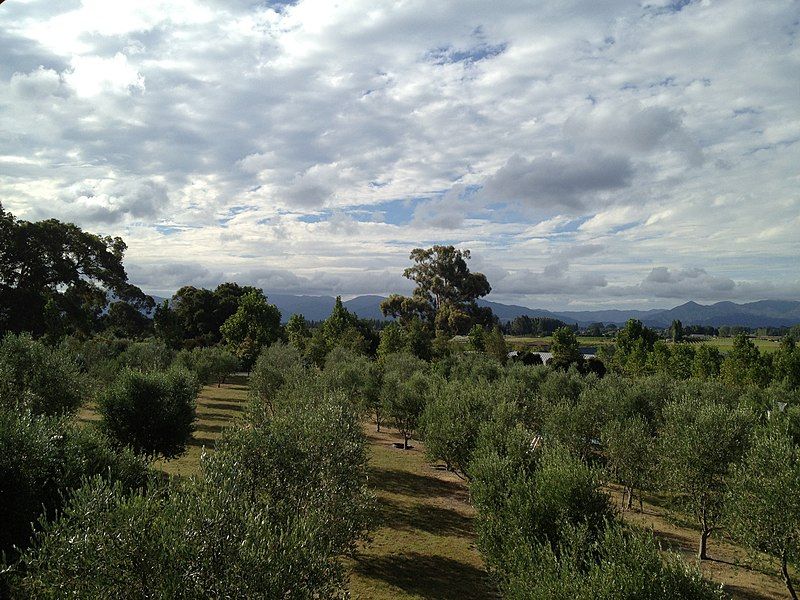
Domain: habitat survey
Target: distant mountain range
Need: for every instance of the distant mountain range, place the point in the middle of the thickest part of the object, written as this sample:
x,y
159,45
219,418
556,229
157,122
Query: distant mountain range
x,y
764,313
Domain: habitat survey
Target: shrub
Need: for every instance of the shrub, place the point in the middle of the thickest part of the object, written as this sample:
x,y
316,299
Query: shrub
x,y
621,565
42,458
279,503
357,377
525,494
151,355
211,365
276,366
39,378
153,413
452,420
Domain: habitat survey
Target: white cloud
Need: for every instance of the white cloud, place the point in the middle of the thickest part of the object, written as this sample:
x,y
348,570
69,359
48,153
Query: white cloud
x,y
246,134
93,75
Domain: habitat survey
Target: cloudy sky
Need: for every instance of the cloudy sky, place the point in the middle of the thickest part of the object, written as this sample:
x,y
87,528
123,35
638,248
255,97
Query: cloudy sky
x,y
598,153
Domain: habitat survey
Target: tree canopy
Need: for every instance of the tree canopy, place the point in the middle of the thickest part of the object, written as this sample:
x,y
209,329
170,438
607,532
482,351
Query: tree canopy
x,y
56,278
445,294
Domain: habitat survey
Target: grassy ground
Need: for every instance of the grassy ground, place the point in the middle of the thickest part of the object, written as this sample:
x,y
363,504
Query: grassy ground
x,y
542,344
743,577
425,547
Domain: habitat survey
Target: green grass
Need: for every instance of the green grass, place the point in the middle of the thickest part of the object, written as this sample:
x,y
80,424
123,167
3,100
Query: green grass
x,y
425,545
542,344
217,408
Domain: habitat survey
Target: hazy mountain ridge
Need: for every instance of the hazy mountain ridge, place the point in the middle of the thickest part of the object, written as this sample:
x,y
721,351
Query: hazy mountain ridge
x,y
763,313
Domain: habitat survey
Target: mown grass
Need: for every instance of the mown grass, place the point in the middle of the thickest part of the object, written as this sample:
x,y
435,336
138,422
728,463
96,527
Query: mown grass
x,y
425,544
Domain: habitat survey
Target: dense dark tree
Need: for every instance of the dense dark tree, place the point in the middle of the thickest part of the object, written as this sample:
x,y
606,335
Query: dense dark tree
x,y
56,278
565,348
494,344
298,332
153,413
196,310
255,325
125,320
676,331
446,291
167,325
477,338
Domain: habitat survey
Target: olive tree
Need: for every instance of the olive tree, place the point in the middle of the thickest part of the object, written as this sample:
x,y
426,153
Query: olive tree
x,y
698,443
43,458
452,420
763,507
153,413
39,378
629,449
277,365
275,509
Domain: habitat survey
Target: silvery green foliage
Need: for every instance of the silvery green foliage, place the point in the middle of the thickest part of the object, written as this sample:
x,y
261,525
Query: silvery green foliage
x,y
277,365
37,377
42,458
546,531
699,441
211,365
619,565
278,505
763,508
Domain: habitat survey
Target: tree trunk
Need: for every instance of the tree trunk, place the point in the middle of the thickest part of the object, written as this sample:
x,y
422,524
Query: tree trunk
x,y
630,498
786,578
405,442
705,532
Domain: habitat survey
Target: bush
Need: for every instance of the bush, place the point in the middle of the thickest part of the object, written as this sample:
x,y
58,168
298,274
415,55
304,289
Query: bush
x,y
41,459
621,565
151,355
276,366
525,494
153,413
38,378
404,392
452,420
357,377
278,505
211,365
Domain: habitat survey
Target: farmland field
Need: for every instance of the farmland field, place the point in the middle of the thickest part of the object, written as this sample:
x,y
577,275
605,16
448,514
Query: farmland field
x,y
424,545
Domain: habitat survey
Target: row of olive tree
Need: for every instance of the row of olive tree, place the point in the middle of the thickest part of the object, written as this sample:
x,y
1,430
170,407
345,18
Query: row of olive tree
x,y
277,505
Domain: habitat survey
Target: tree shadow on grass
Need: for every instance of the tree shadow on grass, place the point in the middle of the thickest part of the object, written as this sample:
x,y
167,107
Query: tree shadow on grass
x,y
220,406
424,517
434,577
744,593
411,484
673,542
199,442
216,416
205,427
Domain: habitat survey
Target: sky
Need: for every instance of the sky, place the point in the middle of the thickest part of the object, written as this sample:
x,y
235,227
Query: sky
x,y
590,154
